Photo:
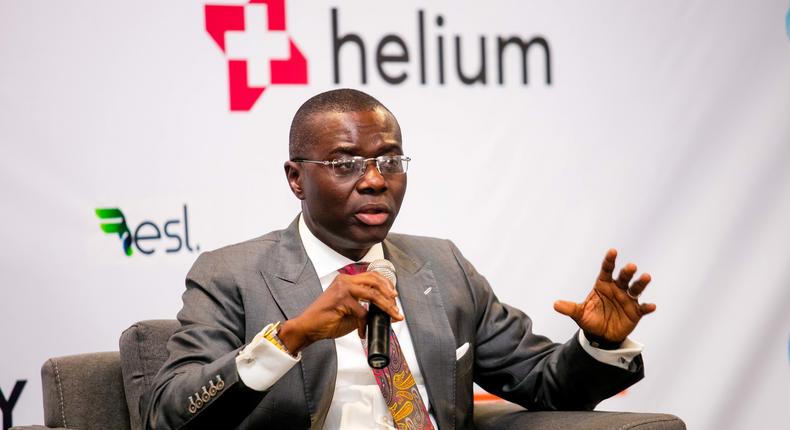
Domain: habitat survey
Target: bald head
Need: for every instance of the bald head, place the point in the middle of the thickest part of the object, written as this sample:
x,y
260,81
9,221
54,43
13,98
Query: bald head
x,y
342,100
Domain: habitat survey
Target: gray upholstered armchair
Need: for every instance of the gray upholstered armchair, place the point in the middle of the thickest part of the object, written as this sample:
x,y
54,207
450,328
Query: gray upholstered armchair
x,y
102,391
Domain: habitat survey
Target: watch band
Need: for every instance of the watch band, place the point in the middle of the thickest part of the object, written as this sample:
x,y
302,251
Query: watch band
x,y
271,333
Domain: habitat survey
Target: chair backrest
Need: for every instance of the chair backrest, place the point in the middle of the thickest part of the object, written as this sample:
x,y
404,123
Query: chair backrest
x,y
143,352
84,391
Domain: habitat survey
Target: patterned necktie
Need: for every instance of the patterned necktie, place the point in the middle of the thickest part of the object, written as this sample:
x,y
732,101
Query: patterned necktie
x,y
396,381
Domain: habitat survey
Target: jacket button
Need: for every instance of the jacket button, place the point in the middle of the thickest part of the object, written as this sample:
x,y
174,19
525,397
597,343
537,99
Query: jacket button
x,y
193,407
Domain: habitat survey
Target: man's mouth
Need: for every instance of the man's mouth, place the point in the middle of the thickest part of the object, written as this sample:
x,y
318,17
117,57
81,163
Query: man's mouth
x,y
373,214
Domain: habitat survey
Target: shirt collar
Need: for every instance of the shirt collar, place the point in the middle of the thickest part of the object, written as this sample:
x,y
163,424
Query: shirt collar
x,y
325,259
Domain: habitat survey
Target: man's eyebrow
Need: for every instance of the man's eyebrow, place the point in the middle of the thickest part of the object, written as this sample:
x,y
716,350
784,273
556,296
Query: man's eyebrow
x,y
343,150
392,147
350,150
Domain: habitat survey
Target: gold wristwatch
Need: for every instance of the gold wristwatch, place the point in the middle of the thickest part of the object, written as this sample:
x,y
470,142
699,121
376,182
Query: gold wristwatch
x,y
271,333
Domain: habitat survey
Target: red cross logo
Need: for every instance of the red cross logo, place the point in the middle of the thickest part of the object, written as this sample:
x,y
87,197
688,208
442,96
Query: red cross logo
x,y
259,51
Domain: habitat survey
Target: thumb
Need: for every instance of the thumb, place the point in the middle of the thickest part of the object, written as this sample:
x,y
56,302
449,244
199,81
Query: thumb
x,y
362,329
566,308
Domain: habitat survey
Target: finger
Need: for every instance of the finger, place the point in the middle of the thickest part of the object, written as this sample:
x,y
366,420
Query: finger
x,y
373,288
567,308
375,281
626,273
391,308
394,311
647,308
386,282
370,292
361,329
607,267
639,285
384,300
357,310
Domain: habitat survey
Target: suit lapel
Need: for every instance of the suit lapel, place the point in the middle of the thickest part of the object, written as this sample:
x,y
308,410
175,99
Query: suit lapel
x,y
294,285
430,331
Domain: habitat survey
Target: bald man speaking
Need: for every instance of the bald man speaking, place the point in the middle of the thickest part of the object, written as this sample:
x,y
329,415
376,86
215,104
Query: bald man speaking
x,y
273,329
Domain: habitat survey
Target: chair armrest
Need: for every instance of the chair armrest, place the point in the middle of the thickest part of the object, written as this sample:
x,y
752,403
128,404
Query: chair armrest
x,y
84,392
505,415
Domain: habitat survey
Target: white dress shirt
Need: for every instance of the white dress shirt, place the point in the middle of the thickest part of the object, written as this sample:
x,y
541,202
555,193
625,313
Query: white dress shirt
x,y
357,402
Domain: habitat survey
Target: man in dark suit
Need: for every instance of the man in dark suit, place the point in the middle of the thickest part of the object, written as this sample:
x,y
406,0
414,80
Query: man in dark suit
x,y
270,328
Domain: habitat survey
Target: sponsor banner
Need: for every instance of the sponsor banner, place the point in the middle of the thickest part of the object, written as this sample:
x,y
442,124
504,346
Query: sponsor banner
x,y
135,137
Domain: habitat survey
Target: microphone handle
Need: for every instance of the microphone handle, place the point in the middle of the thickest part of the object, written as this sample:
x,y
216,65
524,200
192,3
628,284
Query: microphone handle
x,y
378,338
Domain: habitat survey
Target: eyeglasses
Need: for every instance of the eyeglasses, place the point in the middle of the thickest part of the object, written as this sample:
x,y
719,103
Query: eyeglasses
x,y
346,167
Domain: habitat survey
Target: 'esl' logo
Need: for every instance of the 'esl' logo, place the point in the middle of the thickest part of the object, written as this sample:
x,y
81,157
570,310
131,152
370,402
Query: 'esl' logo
x,y
114,222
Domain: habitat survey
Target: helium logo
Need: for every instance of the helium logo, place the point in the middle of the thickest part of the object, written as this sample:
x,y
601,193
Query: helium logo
x,y
260,52
254,40
113,221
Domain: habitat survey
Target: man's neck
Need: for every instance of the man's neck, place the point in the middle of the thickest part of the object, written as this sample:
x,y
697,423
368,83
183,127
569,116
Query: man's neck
x,y
354,254
326,259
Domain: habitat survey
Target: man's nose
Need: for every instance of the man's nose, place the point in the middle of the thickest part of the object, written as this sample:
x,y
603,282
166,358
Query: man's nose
x,y
371,178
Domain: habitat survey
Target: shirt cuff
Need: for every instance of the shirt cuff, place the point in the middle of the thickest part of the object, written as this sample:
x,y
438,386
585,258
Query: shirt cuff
x,y
621,357
261,363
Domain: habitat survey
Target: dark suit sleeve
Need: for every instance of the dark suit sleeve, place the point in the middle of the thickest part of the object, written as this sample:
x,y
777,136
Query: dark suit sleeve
x,y
525,368
199,386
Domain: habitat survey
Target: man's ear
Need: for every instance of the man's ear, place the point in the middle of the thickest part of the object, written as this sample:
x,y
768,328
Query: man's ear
x,y
293,172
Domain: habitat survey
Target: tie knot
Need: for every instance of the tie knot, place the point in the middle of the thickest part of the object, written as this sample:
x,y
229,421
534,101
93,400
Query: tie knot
x,y
354,268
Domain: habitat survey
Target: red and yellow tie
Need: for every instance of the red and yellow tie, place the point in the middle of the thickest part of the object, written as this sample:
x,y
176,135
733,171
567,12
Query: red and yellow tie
x,y
396,382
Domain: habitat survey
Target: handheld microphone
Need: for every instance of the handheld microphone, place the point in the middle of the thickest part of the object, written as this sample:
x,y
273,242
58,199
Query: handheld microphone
x,y
378,335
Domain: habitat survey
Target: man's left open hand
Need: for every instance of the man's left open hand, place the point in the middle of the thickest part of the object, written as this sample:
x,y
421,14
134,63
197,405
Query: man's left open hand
x,y
611,311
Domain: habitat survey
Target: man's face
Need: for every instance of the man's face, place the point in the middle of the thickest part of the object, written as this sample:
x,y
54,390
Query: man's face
x,y
350,214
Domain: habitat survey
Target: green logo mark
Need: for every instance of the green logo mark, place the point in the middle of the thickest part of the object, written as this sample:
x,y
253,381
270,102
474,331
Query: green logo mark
x,y
115,222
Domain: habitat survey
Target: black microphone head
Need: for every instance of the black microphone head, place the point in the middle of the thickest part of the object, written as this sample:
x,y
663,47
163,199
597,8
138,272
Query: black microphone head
x,y
384,268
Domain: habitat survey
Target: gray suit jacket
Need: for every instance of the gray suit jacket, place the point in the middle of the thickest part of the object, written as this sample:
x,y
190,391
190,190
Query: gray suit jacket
x,y
233,292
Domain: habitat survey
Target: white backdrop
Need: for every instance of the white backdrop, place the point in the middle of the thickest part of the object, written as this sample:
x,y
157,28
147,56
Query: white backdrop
x,y
664,132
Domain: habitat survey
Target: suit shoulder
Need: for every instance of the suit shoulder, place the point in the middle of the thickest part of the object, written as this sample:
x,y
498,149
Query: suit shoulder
x,y
418,245
400,238
266,240
237,254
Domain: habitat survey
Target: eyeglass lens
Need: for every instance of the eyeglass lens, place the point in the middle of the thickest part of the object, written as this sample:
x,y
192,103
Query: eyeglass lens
x,y
358,165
